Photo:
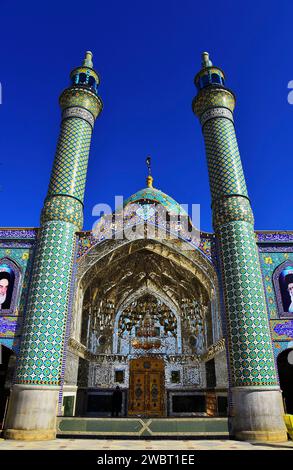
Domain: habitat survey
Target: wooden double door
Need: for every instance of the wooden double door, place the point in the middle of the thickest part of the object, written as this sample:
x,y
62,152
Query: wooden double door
x,y
146,387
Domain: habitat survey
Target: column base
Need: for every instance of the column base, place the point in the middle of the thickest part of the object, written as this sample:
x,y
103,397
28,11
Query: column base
x,y
32,412
257,414
262,436
25,435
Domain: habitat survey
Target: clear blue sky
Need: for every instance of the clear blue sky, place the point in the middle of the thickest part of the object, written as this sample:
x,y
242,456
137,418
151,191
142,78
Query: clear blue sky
x,y
147,53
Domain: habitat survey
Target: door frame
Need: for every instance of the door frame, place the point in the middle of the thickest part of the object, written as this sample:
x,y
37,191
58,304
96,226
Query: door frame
x,y
147,365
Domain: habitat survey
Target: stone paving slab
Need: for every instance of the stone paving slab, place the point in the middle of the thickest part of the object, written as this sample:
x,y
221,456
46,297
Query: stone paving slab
x,y
117,444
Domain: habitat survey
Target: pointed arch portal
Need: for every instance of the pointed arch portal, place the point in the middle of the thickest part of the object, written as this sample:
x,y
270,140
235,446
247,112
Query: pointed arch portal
x,y
114,279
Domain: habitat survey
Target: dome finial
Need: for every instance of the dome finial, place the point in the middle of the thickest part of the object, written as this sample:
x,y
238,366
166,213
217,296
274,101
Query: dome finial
x,y
150,179
88,59
205,60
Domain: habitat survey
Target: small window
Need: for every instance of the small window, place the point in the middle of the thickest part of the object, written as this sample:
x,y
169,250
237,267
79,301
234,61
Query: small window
x,y
175,376
119,376
211,374
205,80
216,78
75,78
222,406
82,78
91,81
157,331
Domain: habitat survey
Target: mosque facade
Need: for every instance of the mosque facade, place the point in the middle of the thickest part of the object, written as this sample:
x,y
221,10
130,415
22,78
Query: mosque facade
x,y
188,324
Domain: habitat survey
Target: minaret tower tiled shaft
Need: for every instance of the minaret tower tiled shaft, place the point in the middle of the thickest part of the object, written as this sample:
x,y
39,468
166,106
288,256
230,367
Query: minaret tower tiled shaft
x,y
32,411
256,411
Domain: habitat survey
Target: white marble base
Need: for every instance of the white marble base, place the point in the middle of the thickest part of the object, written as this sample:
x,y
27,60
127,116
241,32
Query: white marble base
x,y
257,414
32,412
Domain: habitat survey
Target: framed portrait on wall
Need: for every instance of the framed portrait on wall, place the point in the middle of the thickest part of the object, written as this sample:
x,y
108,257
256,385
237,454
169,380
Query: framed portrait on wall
x,y
283,283
9,283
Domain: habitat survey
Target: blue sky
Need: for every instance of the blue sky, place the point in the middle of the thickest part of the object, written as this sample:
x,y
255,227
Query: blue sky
x,y
147,54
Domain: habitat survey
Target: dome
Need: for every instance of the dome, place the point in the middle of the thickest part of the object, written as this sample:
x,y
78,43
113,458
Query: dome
x,y
152,195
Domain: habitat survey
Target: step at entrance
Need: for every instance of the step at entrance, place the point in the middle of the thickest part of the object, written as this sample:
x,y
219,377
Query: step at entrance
x,y
143,427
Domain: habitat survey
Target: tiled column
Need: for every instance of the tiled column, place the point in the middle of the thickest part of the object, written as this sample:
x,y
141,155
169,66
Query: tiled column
x,y
257,409
33,405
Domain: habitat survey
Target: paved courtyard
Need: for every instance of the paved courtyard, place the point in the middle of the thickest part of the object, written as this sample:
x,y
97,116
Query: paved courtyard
x,y
149,445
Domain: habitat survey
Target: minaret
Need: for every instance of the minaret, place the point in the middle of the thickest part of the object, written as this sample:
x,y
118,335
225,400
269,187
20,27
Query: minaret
x,y
256,412
33,403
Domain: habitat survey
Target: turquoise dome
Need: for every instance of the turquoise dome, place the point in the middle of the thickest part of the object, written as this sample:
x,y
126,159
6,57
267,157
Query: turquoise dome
x,y
155,196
